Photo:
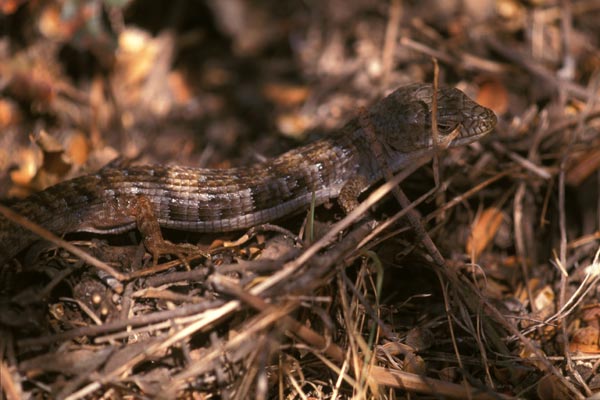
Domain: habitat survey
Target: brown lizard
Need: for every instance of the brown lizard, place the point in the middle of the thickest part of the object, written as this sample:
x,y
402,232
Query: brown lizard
x,y
216,200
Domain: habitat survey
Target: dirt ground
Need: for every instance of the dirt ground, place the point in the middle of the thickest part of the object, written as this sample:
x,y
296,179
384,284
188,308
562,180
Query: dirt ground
x,y
487,290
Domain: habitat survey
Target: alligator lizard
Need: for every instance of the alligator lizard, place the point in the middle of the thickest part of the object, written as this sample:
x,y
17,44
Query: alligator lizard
x,y
217,200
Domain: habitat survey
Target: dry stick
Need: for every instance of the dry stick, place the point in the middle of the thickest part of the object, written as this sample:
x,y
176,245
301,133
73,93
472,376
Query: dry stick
x,y
10,386
538,70
391,37
570,121
383,376
452,203
340,371
417,383
520,247
566,18
282,316
526,163
59,277
155,269
434,124
459,199
453,278
159,346
121,324
437,166
465,61
49,236
498,203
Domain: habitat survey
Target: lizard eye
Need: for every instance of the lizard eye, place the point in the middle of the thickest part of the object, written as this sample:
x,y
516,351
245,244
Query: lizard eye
x,y
445,128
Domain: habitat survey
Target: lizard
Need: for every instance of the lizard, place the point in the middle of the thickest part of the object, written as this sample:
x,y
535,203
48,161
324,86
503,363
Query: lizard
x,y
341,165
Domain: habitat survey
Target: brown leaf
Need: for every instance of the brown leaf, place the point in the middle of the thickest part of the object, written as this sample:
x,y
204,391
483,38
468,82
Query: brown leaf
x,y
544,301
284,94
585,340
415,364
78,148
9,113
483,231
493,94
180,87
30,161
293,124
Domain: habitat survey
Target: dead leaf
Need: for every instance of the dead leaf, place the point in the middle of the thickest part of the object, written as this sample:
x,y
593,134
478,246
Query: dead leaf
x,y
30,162
483,231
544,301
285,94
493,94
585,340
9,113
78,148
415,364
293,124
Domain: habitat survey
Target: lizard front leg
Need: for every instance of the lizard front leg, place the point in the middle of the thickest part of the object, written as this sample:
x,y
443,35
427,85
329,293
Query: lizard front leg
x,y
148,225
348,198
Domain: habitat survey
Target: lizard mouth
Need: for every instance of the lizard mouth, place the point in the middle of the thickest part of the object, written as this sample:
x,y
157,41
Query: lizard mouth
x,y
467,133
474,123
483,124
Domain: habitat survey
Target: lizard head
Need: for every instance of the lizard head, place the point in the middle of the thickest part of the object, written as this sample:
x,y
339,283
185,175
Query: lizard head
x,y
402,121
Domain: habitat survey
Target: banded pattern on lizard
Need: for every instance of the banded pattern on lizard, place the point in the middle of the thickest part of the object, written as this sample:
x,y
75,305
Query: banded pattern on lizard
x,y
218,200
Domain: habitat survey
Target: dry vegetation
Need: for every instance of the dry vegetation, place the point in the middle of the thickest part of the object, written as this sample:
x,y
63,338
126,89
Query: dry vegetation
x,y
490,291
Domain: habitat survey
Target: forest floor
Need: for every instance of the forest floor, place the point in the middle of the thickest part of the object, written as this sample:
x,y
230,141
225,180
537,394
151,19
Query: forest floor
x,y
490,292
